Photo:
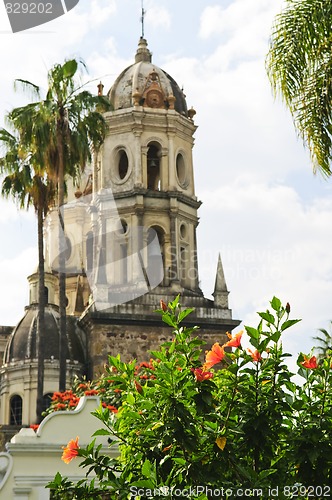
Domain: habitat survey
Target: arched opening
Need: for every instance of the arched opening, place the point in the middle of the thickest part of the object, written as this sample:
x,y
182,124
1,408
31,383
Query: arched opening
x,y
68,248
16,407
153,167
184,262
156,253
46,295
47,399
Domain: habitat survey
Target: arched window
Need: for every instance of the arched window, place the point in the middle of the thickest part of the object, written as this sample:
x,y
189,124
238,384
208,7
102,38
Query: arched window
x,y
184,261
16,406
155,263
47,399
68,248
153,167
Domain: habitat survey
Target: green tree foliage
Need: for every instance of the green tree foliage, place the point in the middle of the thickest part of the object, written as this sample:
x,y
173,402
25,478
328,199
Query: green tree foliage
x,y
26,181
324,347
62,130
299,65
236,420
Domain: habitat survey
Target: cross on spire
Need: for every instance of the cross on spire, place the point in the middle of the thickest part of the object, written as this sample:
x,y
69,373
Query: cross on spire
x,y
142,18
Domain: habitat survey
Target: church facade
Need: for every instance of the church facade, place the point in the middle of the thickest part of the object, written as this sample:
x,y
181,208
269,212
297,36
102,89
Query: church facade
x,y
130,232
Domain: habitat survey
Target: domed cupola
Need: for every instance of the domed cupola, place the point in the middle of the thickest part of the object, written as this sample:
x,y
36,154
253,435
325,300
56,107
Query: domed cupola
x,y
22,344
20,368
144,84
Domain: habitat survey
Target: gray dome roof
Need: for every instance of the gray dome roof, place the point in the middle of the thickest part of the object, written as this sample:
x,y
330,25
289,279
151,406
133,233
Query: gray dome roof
x,y
145,84
22,344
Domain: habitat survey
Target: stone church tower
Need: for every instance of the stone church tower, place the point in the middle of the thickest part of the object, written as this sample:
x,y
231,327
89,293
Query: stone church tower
x,y
130,232
147,164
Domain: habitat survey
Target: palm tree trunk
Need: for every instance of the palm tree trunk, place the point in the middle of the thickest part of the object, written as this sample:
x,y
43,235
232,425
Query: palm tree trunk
x,y
41,317
62,268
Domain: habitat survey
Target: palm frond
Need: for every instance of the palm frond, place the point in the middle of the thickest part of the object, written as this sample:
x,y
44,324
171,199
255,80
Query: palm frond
x,y
299,66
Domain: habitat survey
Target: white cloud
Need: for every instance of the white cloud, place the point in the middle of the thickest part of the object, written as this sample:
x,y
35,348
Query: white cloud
x,y
277,245
157,16
14,285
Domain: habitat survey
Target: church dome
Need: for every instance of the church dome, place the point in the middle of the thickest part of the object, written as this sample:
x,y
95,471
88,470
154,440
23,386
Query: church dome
x,y
144,84
22,344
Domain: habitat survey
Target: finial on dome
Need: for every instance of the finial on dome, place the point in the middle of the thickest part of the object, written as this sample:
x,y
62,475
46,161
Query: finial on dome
x,y
191,113
100,88
143,53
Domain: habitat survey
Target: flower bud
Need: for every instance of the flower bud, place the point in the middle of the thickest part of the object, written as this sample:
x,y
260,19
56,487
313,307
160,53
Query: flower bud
x,y
163,305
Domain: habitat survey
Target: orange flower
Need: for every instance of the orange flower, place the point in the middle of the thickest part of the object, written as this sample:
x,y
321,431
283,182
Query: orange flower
x,y
91,392
309,363
112,408
256,355
201,375
214,356
60,406
70,451
235,341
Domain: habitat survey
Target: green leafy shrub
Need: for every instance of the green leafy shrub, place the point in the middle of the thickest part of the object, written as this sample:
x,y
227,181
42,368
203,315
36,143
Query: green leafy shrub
x,y
234,425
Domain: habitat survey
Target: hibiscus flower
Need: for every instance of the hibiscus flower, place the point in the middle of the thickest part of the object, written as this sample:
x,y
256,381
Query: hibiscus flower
x,y
310,363
214,356
201,375
70,451
256,355
234,341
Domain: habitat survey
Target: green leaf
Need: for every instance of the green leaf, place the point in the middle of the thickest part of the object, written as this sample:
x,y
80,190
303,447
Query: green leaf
x,y
275,304
101,432
69,68
169,321
143,483
268,317
252,332
275,336
179,461
265,473
184,314
130,399
288,323
146,468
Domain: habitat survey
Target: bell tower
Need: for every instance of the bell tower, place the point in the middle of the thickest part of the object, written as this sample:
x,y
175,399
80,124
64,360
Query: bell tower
x,y
147,165
144,193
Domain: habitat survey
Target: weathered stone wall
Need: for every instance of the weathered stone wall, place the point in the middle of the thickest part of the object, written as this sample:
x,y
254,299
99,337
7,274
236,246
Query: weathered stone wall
x,y
136,342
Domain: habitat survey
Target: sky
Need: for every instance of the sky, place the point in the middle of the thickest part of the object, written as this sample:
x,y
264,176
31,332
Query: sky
x,y
263,208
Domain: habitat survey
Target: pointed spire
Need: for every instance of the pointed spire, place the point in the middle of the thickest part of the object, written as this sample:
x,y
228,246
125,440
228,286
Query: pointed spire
x,y
220,293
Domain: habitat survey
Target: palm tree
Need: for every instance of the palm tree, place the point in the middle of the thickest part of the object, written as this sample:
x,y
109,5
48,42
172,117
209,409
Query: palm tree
x,y
64,129
299,65
325,343
28,185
